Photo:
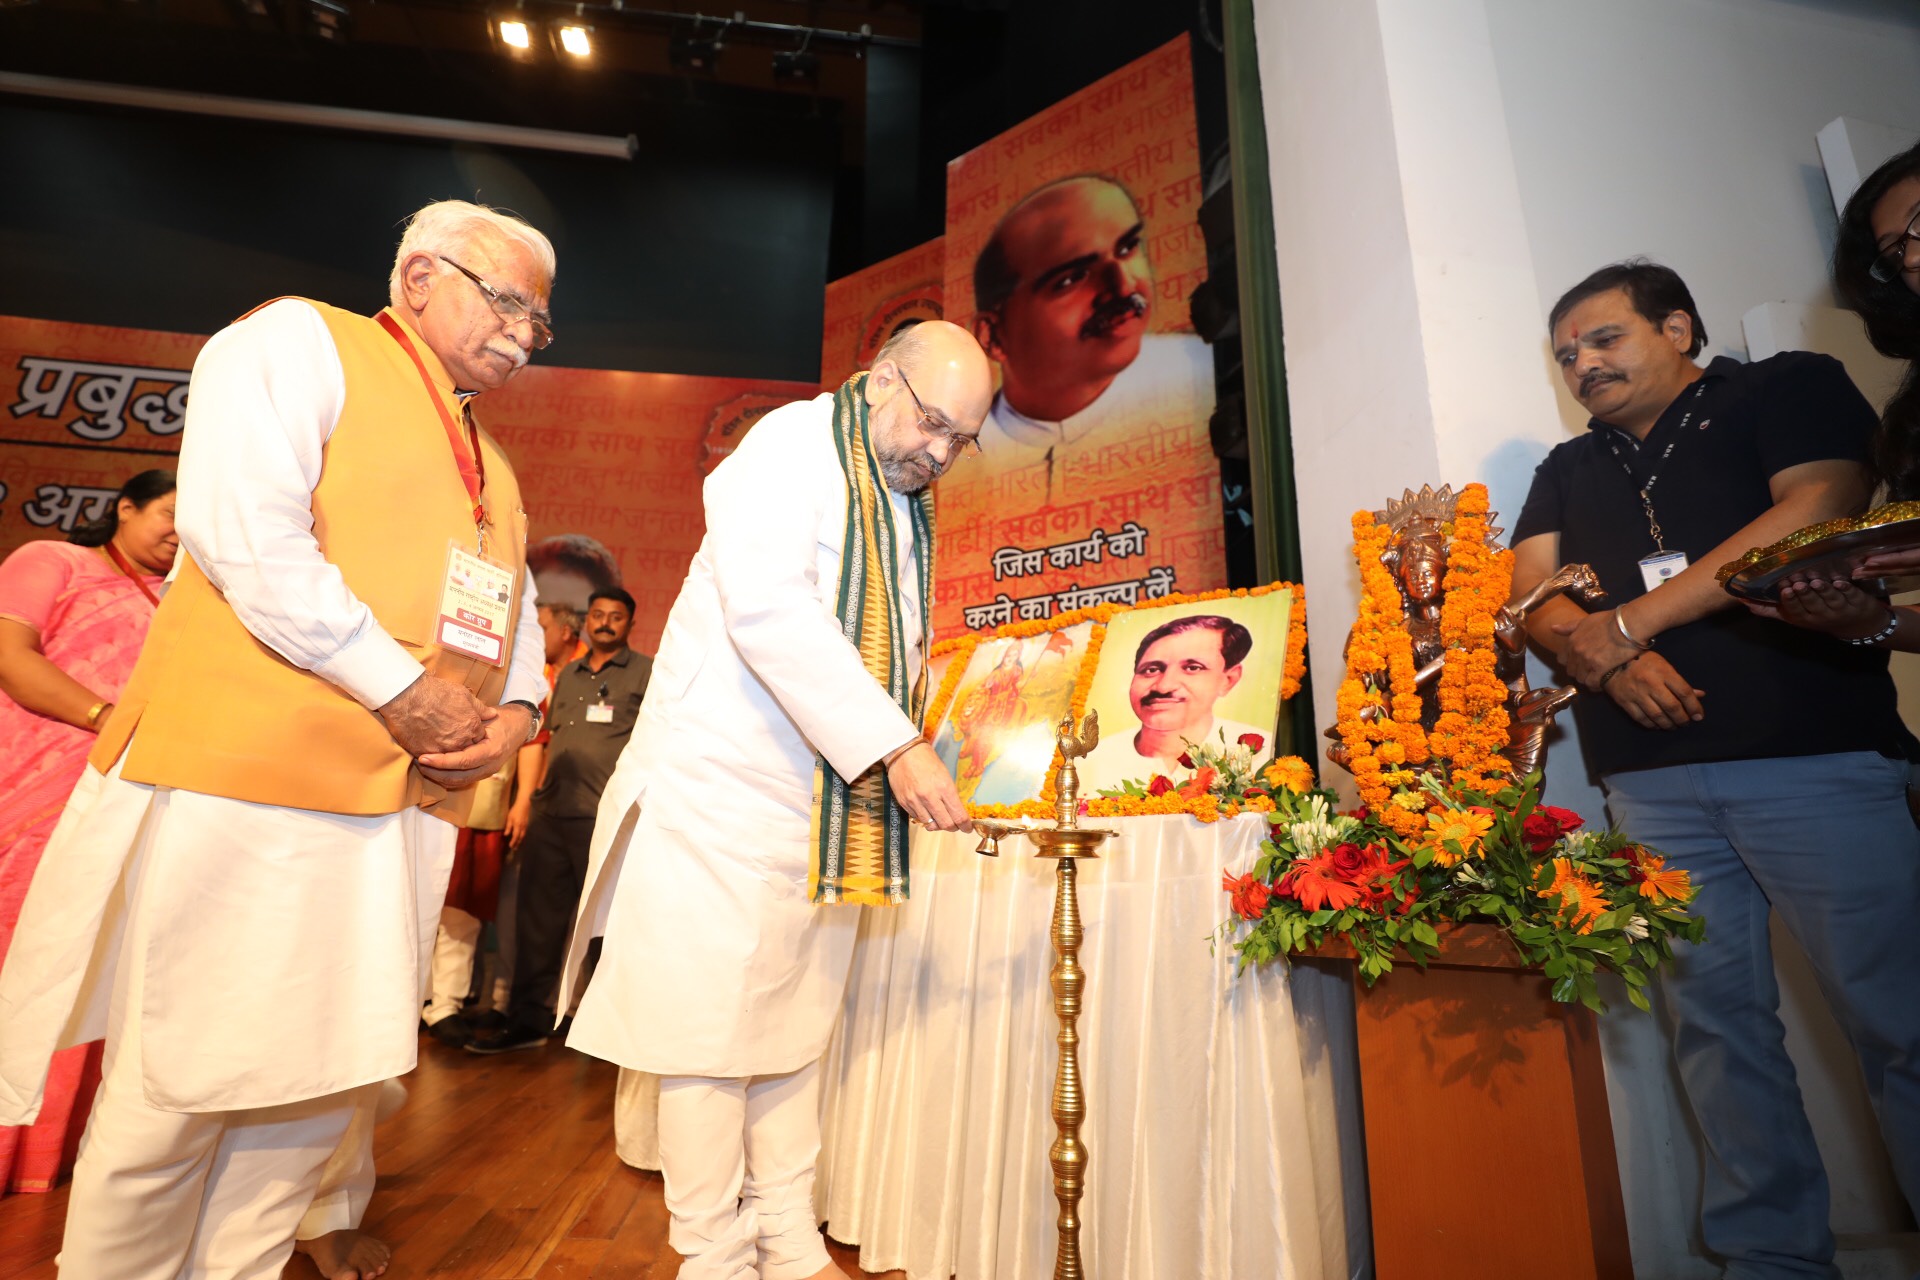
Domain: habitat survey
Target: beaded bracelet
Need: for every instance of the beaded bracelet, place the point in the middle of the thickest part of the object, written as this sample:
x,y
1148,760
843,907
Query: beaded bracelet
x,y
1617,670
1884,633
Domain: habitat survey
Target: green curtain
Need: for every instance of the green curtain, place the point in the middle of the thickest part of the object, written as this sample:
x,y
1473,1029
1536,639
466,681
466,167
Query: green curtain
x,y
1276,515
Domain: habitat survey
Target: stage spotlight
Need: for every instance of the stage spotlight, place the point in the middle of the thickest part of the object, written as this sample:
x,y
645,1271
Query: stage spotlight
x,y
512,33
796,66
694,53
326,19
575,40
253,15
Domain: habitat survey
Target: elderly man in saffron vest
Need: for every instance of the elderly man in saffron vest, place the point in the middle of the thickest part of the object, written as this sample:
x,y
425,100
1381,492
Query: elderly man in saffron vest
x,y
767,789
242,893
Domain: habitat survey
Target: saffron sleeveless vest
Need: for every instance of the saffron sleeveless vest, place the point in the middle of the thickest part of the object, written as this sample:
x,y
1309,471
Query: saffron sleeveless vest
x,y
211,709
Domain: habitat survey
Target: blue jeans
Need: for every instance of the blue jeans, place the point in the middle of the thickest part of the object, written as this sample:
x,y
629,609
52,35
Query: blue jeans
x,y
1828,843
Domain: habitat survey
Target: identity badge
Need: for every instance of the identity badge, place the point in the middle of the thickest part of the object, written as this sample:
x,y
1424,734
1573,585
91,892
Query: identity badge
x,y
600,713
475,601
1656,569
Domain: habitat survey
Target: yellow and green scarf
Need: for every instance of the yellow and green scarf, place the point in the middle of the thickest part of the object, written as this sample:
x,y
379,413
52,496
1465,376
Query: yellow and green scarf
x,y
859,832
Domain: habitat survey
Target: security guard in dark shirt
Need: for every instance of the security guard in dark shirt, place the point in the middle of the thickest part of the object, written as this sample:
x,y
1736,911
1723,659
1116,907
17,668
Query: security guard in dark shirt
x,y
596,700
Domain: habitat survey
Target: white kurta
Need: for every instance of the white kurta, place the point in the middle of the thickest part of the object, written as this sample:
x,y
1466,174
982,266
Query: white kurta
x,y
276,954
714,962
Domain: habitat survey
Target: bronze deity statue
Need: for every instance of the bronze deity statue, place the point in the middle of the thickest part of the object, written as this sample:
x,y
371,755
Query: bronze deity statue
x,y
1417,556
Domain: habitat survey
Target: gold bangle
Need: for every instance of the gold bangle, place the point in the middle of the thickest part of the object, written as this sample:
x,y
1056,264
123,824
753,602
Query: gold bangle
x,y
94,712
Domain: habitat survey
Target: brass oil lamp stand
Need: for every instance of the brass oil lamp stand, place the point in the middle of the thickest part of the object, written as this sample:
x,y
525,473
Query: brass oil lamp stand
x,y
1066,841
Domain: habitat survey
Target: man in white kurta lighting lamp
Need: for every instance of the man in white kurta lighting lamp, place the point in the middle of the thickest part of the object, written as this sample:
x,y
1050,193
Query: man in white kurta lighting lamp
x,y
242,893
768,786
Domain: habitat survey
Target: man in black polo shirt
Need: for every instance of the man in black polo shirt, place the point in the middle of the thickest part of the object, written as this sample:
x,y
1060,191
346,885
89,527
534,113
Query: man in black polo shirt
x,y
596,700
1768,762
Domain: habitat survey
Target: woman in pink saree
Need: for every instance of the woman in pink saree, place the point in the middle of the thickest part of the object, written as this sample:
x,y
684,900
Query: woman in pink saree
x,y
72,617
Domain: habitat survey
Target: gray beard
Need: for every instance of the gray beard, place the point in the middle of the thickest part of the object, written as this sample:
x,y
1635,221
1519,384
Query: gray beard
x,y
900,473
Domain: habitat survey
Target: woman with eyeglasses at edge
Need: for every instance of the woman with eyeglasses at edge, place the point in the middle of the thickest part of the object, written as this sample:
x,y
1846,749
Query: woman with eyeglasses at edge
x,y
1876,275
73,615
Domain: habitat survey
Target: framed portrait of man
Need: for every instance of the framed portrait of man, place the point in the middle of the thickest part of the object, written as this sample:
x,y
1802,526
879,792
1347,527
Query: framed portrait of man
x,y
1173,676
997,735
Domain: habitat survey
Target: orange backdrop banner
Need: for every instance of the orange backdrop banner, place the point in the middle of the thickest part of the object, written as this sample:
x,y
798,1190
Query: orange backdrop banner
x,y
1072,247
620,457
87,407
870,306
612,460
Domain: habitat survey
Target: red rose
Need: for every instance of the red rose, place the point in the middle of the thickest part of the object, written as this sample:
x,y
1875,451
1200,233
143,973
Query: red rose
x,y
1252,742
1351,863
1569,820
1540,832
1633,853
1159,786
1185,761
1546,824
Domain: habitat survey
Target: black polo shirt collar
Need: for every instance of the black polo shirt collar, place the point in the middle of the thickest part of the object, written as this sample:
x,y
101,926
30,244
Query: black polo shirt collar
x,y
1718,370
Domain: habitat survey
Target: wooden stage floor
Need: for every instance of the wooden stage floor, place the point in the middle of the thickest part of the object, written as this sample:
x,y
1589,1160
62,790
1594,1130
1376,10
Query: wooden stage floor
x,y
499,1168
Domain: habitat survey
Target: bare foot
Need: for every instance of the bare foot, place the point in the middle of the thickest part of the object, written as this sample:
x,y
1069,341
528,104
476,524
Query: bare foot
x,y
346,1255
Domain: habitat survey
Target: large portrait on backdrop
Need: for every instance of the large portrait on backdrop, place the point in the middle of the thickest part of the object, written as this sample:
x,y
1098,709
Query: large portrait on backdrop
x,y
997,735
1072,248
1167,678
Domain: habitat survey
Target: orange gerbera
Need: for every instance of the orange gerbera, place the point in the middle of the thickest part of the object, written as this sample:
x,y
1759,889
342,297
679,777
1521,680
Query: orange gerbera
x,y
1200,783
1572,889
1249,894
1454,834
1314,884
1657,883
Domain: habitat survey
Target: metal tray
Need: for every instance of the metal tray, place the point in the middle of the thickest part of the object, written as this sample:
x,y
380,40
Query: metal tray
x,y
1833,549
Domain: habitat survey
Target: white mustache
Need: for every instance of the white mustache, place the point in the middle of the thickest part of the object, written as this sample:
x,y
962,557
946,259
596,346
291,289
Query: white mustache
x,y
511,352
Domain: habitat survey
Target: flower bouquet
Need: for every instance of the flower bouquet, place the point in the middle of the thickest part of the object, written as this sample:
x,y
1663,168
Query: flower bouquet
x,y
1446,832
1572,900
1225,770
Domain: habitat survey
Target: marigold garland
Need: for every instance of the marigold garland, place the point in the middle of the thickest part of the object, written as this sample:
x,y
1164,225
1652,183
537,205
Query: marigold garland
x,y
962,650
1206,808
1471,733
1381,727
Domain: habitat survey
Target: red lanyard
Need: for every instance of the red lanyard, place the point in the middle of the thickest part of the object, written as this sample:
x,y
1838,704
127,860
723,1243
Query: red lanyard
x,y
120,563
473,467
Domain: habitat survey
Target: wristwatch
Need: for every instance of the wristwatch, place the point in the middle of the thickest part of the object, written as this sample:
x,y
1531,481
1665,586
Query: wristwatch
x,y
533,730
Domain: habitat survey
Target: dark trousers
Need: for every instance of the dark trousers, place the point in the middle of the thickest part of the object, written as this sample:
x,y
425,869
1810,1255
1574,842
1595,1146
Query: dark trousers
x,y
553,871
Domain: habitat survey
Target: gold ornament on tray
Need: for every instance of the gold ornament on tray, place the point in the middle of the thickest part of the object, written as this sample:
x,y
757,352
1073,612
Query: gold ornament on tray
x,y
1830,549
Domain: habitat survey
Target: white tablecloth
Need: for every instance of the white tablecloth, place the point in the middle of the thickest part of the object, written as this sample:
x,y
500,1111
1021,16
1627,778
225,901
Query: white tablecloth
x,y
1219,1105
